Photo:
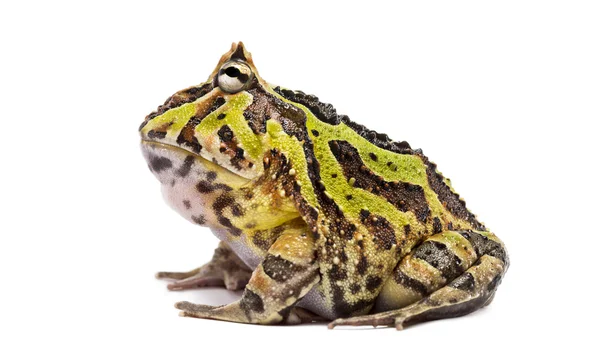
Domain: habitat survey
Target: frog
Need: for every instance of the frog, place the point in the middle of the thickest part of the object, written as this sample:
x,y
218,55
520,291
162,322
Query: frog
x,y
319,218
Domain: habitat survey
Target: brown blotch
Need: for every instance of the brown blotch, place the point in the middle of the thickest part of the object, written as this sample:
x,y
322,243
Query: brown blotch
x,y
186,167
381,230
373,283
229,146
204,186
362,265
437,225
200,220
280,269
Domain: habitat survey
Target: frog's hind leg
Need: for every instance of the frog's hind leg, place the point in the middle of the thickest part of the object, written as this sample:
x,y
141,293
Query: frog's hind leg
x,y
286,274
450,274
225,268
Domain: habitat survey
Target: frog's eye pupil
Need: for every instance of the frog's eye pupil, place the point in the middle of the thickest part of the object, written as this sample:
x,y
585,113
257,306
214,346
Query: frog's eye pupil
x,y
232,72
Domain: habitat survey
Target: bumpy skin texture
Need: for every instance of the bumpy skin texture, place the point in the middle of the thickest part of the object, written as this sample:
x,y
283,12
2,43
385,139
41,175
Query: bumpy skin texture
x,y
335,220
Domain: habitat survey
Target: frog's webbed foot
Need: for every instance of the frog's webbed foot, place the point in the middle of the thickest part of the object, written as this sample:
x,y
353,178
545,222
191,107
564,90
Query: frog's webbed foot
x,y
225,268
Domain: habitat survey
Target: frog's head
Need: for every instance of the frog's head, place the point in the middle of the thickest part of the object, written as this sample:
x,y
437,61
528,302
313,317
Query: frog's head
x,y
223,120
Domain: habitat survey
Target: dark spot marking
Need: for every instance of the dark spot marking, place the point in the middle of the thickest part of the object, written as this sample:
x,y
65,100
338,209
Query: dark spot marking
x,y
160,163
373,282
221,116
187,136
315,133
211,175
204,187
251,303
208,187
225,134
185,168
464,282
237,210
153,134
437,225
187,204
440,257
381,230
342,308
373,156
408,282
484,246
355,288
223,201
364,214
200,220
280,269
336,273
362,265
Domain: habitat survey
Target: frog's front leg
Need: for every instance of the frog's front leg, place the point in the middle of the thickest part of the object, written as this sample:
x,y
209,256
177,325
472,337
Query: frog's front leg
x,y
225,268
286,274
450,274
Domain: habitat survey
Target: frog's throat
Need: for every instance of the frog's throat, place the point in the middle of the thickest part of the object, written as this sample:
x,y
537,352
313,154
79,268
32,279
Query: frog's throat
x,y
180,155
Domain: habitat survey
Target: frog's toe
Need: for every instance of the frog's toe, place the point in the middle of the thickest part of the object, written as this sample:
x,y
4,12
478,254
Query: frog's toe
x,y
366,320
225,269
399,323
195,310
195,282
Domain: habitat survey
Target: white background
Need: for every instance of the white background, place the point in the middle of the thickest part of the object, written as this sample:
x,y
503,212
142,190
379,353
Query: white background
x,y
504,96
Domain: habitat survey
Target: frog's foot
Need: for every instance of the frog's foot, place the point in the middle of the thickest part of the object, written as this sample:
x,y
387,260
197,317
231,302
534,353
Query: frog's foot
x,y
431,308
225,268
287,273
233,312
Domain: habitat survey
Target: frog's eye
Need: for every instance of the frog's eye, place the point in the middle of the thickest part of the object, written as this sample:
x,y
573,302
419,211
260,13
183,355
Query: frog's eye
x,y
234,76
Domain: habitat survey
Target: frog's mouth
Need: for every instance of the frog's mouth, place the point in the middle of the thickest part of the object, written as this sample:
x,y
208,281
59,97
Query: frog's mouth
x,y
171,165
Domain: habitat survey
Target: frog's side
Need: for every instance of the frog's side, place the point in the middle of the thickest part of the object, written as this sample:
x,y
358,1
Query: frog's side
x,y
334,220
